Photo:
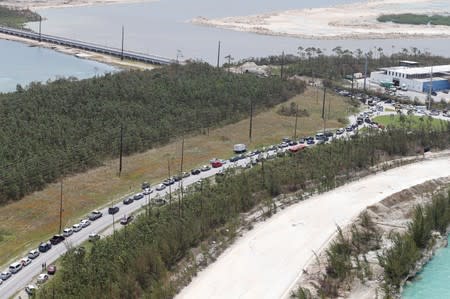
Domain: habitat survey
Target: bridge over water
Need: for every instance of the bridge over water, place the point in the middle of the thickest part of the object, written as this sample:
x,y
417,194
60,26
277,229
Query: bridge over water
x,y
153,59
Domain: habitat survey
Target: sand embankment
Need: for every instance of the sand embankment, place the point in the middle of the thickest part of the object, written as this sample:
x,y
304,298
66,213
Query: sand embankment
x,y
268,261
82,54
349,21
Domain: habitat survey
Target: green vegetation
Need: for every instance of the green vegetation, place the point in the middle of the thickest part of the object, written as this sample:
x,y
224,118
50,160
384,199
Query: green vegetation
x,y
137,261
411,122
346,256
16,18
66,126
401,258
313,62
342,255
415,19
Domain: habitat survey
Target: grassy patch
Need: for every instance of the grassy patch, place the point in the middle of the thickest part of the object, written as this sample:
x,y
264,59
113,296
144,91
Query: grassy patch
x,y
410,121
415,19
35,217
16,18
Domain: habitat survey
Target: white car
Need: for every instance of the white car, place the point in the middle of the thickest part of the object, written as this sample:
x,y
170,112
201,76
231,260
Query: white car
x,y
5,275
42,278
94,237
76,227
25,261
85,223
160,187
15,267
148,191
30,289
33,254
67,232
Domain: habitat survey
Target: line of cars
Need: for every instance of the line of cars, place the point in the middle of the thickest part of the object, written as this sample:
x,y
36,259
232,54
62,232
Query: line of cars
x,y
42,248
17,266
255,156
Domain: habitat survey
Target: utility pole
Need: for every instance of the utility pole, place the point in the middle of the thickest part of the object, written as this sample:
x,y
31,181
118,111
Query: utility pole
x,y
218,55
114,225
170,189
296,119
365,72
353,77
120,150
317,94
40,22
123,31
282,65
181,174
323,109
251,121
329,108
229,61
179,55
429,89
60,207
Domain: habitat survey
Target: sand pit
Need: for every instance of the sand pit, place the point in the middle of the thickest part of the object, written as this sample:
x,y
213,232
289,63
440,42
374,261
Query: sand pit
x,y
349,21
267,261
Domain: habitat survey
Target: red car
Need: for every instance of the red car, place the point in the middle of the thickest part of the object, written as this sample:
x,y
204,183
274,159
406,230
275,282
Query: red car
x,y
51,269
216,163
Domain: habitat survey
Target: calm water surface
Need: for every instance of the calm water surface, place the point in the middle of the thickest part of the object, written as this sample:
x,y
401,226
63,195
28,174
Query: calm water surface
x,y
434,281
22,64
162,28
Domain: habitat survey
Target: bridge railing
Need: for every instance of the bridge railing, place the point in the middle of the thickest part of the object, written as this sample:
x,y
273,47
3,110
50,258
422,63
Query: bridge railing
x,y
78,44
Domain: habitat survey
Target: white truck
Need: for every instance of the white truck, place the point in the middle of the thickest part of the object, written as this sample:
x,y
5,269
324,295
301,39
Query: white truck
x,y
240,148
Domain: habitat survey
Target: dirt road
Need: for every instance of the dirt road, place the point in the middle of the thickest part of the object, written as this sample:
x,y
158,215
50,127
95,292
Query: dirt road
x,y
267,261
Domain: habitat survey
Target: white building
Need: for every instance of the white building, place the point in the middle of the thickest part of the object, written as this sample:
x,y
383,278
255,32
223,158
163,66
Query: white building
x,y
415,78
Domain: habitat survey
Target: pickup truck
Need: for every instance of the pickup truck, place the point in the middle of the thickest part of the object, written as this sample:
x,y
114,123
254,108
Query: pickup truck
x,y
56,239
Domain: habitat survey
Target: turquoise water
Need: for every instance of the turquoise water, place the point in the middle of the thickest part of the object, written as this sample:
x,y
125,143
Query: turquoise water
x,y
434,281
22,64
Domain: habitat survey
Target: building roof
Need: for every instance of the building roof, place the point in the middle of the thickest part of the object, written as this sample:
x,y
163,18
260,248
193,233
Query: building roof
x,y
419,70
434,79
408,62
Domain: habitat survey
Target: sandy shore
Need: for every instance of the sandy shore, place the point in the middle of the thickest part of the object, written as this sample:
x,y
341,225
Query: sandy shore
x,y
392,214
350,21
268,261
42,4
82,54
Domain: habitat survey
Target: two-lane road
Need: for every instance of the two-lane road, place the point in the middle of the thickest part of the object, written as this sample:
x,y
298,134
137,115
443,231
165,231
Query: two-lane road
x,y
19,280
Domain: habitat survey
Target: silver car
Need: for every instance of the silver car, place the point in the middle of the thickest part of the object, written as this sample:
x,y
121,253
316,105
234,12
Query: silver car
x,y
33,254
5,275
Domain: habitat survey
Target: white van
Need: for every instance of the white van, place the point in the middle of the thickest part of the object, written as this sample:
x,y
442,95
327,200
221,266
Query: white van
x,y
67,232
15,267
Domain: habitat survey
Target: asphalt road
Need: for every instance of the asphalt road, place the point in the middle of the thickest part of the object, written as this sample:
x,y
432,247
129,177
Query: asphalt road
x,y
17,282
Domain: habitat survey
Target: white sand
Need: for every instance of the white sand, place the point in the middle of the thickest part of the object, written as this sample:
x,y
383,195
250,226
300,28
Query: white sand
x,y
350,21
267,261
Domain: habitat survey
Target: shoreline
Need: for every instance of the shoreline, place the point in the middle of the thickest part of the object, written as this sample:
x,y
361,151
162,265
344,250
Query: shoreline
x,y
78,53
82,54
392,214
47,4
346,21
256,250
